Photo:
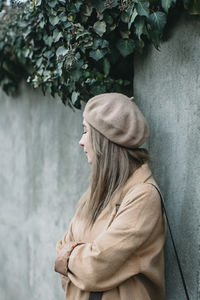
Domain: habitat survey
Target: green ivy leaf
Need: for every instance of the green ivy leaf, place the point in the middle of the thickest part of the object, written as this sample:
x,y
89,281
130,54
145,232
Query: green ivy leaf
x,y
39,62
186,3
48,54
108,19
140,45
155,37
76,74
158,20
78,5
52,3
97,54
74,97
99,27
87,10
37,2
125,17
54,20
98,4
99,43
139,27
106,66
125,46
41,24
61,51
48,41
98,89
132,19
57,35
166,4
142,7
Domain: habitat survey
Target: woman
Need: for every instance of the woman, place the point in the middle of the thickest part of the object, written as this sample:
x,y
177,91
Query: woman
x,y
114,246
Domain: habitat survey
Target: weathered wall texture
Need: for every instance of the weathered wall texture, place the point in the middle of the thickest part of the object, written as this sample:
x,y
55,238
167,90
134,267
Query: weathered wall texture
x,y
167,88
42,175
43,170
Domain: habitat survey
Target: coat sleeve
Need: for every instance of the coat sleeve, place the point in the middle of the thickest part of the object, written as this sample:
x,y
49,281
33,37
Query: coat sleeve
x,y
68,237
105,263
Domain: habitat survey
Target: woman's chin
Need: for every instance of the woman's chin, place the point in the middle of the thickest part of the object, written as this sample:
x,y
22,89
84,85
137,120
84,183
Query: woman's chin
x,y
89,161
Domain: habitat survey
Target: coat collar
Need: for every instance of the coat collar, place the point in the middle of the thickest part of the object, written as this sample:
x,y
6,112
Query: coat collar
x,y
141,175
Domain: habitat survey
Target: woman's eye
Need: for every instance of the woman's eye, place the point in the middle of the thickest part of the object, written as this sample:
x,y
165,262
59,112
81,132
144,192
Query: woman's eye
x,y
84,132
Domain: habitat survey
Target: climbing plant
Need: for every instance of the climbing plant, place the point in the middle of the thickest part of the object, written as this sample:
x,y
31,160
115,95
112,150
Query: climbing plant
x,y
78,48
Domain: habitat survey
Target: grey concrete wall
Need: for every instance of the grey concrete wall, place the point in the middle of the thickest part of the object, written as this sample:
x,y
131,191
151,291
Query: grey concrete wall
x,y
42,175
167,88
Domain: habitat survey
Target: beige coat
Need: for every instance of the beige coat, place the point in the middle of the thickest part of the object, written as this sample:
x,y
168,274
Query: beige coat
x,y
123,253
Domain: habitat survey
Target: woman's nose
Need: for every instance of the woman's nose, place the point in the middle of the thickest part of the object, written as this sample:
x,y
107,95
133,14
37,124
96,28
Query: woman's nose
x,y
81,142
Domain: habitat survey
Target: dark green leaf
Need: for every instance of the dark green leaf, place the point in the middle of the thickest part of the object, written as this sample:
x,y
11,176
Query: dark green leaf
x,y
39,62
78,5
158,20
41,24
108,19
99,43
142,7
106,66
48,41
54,20
75,97
186,3
140,45
76,74
166,4
98,89
37,2
57,35
61,51
125,17
155,37
48,54
97,54
98,4
125,47
100,27
104,44
87,10
132,19
52,3
139,27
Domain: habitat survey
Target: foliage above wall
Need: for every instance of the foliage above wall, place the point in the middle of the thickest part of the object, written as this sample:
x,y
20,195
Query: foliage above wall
x,y
79,48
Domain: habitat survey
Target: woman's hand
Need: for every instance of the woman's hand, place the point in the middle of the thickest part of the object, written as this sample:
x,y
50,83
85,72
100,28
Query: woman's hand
x,y
62,256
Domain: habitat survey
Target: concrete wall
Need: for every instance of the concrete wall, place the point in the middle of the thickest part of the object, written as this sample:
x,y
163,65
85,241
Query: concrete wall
x,y
43,170
42,175
167,88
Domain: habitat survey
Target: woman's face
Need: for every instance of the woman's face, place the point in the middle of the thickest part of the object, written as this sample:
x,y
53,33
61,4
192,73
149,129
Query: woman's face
x,y
85,142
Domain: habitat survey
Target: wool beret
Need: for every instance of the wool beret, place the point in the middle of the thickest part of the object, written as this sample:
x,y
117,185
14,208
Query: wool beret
x,y
118,118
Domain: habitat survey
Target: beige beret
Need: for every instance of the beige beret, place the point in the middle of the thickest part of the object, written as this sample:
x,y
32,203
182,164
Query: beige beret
x,y
118,118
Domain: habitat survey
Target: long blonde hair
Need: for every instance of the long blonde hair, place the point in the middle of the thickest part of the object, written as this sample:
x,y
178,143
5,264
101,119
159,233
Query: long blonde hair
x,y
111,167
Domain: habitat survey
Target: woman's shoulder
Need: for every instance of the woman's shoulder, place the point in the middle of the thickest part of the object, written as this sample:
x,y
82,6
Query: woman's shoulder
x,y
145,192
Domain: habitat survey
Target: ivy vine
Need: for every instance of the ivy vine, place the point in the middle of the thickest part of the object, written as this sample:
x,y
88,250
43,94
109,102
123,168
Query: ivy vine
x,y
78,48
